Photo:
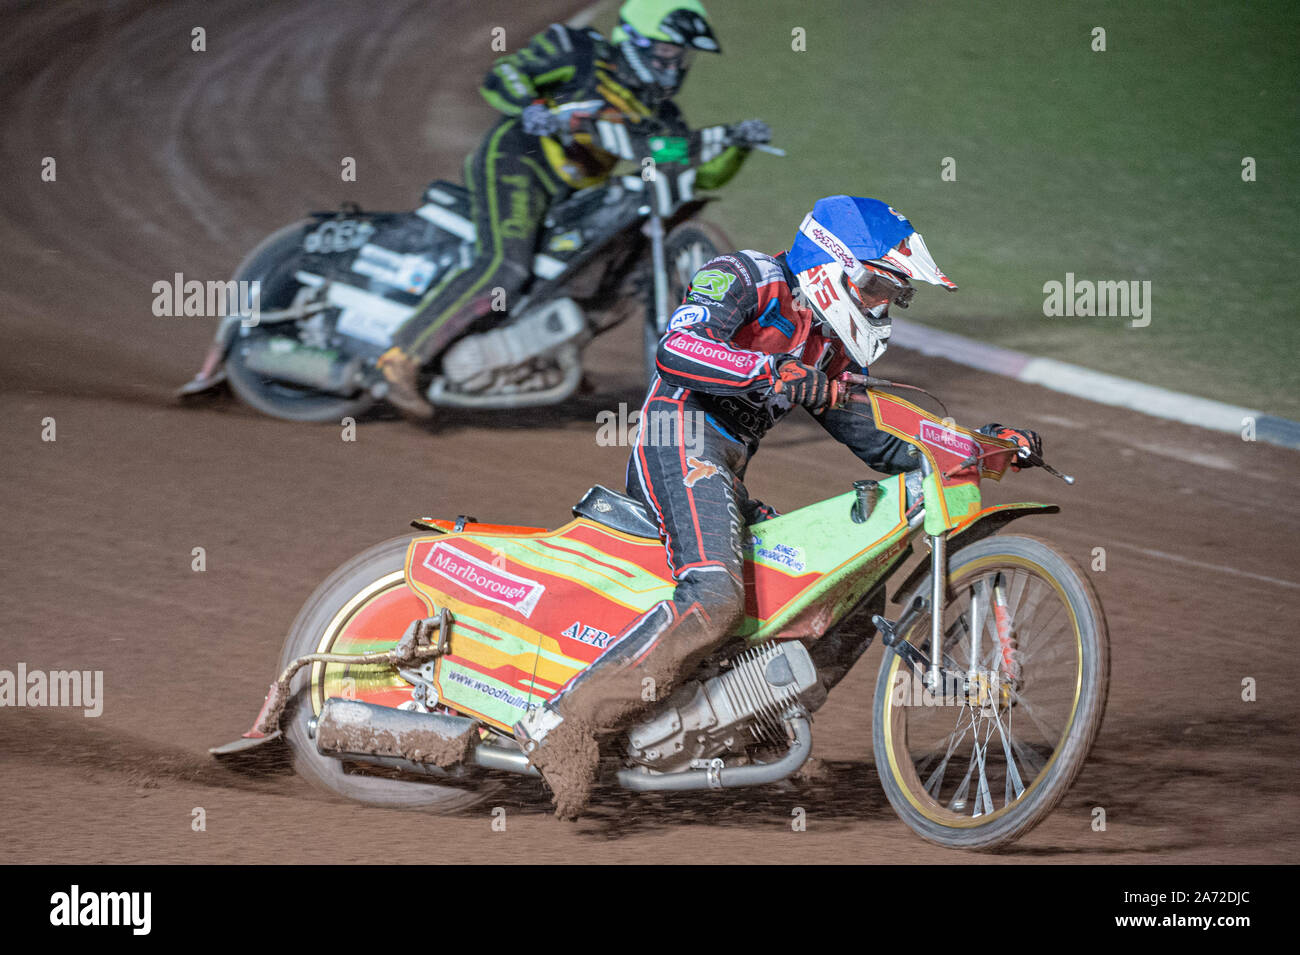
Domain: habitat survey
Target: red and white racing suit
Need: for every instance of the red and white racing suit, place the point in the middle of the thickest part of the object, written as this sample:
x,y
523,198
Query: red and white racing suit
x,y
707,408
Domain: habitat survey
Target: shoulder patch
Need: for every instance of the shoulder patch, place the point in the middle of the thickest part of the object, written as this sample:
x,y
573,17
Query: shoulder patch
x,y
688,315
712,283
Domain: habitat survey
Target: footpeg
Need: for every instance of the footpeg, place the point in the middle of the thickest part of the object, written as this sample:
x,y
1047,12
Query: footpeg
x,y
533,728
891,635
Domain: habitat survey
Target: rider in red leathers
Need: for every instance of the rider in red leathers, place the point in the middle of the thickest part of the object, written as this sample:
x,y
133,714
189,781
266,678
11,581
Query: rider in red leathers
x,y
756,335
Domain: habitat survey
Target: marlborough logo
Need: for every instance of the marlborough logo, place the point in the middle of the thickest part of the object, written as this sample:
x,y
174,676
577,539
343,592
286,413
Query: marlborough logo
x,y
940,437
719,356
491,583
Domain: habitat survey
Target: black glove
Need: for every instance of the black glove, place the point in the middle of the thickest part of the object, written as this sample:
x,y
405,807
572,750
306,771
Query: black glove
x,y
1029,441
749,133
537,120
802,384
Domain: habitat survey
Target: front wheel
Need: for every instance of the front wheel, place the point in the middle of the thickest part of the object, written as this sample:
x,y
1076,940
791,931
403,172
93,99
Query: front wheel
x,y
363,607
687,247
984,759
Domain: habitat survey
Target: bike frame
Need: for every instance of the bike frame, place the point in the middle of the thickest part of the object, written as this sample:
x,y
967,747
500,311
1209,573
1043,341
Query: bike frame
x,y
522,611
806,571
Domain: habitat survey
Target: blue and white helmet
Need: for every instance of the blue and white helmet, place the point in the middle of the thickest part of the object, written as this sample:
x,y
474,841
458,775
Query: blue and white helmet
x,y
853,257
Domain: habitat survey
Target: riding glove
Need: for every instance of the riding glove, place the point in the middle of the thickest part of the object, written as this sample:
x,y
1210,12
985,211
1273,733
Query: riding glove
x,y
537,120
802,385
1029,441
749,133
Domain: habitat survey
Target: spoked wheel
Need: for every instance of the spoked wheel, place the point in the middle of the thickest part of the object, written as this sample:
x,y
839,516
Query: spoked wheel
x,y
686,248
363,607
985,759
273,264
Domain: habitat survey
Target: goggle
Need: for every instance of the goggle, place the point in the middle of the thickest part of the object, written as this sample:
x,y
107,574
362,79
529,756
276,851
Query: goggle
x,y
668,57
879,285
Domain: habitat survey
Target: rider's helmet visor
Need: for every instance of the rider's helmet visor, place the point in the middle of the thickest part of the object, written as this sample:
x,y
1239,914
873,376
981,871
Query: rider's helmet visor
x,y
878,286
668,62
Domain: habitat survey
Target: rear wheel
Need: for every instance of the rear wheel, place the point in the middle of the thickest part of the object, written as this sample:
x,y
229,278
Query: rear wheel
x,y
687,247
987,758
273,264
364,606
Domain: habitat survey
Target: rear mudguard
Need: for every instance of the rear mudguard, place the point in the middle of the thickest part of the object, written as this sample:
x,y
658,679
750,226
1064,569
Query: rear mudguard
x,y
213,372
977,526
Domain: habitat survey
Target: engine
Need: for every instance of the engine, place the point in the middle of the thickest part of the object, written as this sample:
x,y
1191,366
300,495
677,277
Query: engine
x,y
472,362
739,708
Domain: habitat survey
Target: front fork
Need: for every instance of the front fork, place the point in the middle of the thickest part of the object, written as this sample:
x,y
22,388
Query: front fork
x,y
654,229
930,666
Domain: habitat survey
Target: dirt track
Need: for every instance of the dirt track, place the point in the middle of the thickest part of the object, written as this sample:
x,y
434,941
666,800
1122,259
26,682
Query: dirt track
x,y
171,161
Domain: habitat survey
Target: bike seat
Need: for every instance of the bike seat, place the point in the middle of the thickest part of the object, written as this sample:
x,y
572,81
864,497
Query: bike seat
x,y
618,511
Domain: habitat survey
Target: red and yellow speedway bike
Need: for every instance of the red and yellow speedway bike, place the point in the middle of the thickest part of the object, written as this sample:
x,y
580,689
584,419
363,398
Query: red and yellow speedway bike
x,y
404,672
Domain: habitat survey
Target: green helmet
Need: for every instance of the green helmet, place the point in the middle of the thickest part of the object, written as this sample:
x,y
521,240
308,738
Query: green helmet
x,y
656,38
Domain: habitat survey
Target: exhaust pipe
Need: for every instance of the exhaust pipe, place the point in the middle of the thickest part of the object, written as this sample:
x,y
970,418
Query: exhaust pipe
x,y
732,777
404,739
427,743
287,359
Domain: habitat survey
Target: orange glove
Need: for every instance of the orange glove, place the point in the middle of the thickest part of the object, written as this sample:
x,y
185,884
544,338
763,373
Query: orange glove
x,y
803,385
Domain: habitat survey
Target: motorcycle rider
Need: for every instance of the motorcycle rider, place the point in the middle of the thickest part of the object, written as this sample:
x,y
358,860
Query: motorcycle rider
x,y
755,336
523,167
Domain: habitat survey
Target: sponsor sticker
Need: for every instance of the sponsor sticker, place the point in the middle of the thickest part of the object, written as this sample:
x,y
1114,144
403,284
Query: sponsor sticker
x,y
711,353
410,273
589,635
951,441
699,470
712,283
829,243
688,315
783,554
482,579
487,689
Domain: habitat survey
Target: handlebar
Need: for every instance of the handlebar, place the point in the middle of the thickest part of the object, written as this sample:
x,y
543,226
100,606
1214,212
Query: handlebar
x,y
850,388
575,112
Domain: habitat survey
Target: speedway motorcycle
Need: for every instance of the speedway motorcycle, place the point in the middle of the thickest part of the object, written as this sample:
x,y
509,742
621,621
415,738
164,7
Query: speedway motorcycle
x,y
402,675
334,287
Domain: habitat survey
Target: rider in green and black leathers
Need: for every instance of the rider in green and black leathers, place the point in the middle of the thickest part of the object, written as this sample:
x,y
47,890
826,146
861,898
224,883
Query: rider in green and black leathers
x,y
522,167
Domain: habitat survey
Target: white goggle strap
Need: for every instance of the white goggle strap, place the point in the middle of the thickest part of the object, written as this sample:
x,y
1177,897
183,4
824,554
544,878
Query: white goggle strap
x,y
820,236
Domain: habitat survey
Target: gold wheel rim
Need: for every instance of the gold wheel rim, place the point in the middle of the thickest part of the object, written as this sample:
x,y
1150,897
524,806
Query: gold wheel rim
x,y
339,622
905,775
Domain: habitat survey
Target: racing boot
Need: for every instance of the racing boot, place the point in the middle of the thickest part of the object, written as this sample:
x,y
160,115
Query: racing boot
x,y
401,371
560,735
